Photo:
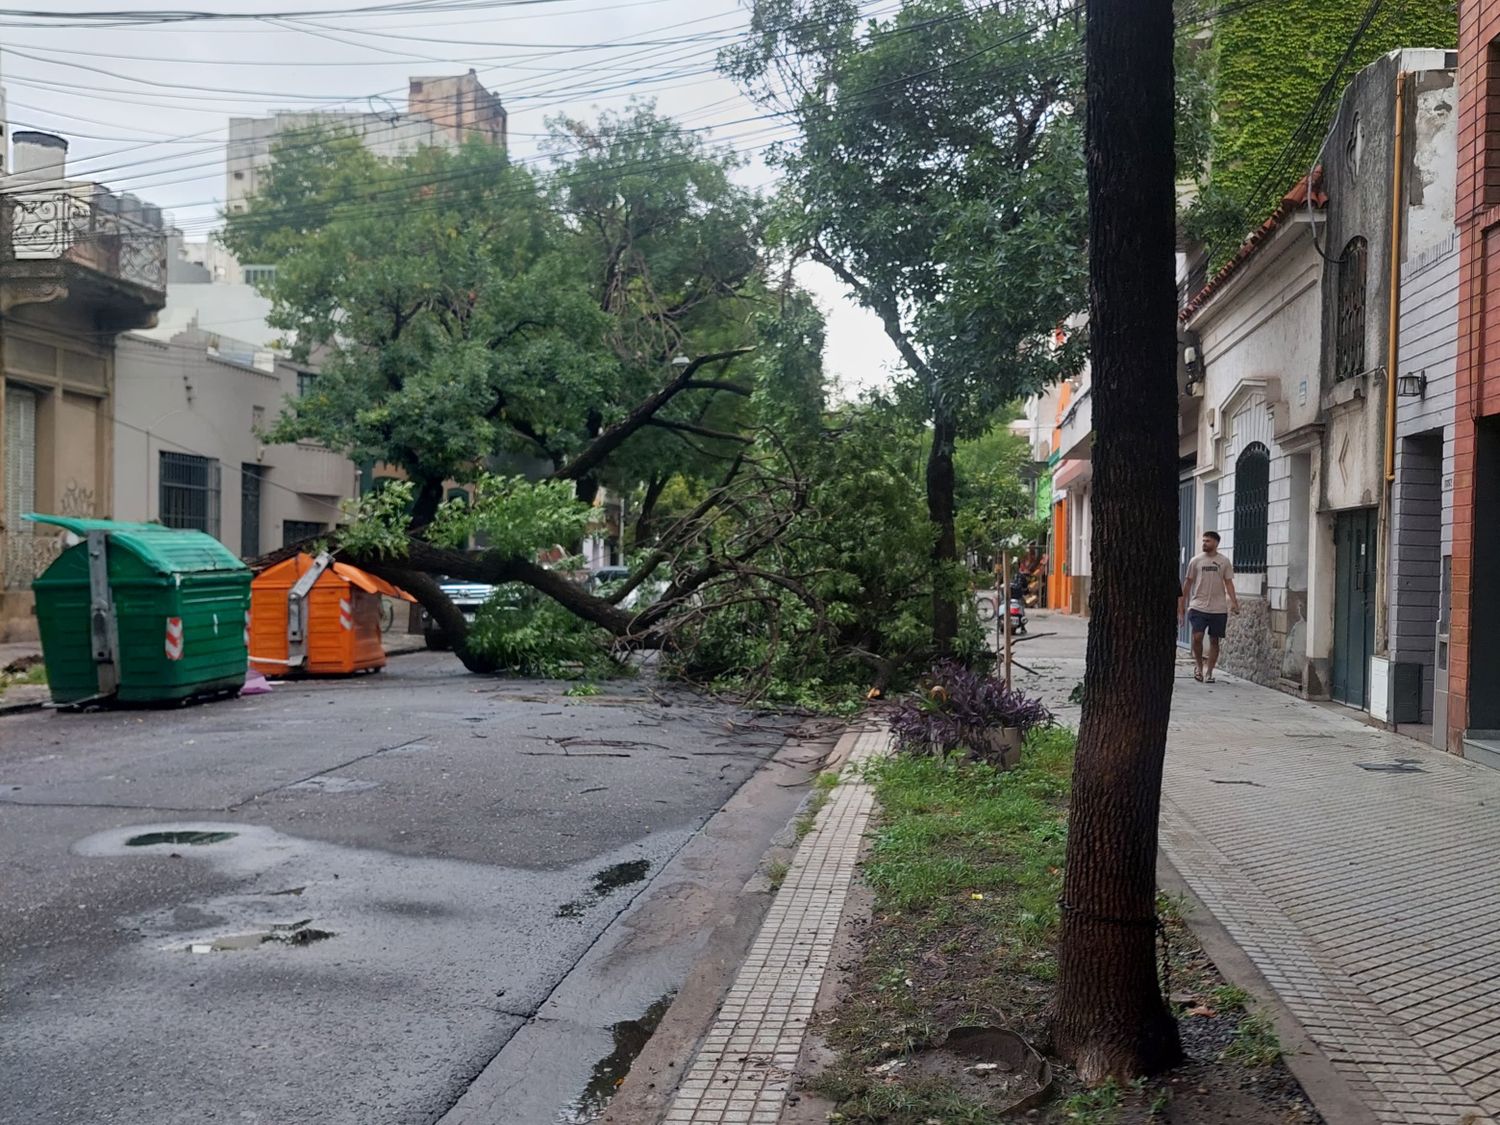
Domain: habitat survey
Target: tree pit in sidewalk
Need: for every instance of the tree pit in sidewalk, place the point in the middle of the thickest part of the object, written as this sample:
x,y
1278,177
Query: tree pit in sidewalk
x,y
966,870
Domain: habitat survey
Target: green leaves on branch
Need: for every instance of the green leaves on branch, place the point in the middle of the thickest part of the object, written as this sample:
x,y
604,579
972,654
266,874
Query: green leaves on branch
x,y
1251,89
377,522
512,516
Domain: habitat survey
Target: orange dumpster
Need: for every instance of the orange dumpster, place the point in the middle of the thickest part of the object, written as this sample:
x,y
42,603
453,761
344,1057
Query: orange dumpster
x,y
340,619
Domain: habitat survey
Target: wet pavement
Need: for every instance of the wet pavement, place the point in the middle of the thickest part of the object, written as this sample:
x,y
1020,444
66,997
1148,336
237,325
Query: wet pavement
x,y
341,901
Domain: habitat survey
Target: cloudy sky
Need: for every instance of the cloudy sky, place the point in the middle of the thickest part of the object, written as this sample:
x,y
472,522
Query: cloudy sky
x,y
144,105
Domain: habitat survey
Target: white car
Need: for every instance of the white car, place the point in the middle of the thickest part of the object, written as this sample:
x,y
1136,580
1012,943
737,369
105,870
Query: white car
x,y
467,597
609,578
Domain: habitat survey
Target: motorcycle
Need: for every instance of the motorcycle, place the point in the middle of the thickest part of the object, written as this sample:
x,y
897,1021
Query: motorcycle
x,y
1017,616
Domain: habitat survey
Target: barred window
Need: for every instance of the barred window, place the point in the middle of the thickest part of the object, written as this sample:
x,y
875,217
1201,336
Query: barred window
x,y
190,492
296,531
1252,495
1349,343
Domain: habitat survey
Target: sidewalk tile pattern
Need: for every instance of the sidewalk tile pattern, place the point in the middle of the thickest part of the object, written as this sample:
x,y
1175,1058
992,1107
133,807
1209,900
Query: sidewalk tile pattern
x,y
1367,899
744,1068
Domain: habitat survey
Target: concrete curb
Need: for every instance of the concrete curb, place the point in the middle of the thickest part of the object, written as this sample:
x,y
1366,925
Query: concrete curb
x,y
33,698
657,1075
654,1076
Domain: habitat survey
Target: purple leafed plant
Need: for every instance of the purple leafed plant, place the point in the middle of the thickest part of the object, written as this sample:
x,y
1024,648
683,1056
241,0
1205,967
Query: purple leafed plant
x,y
957,707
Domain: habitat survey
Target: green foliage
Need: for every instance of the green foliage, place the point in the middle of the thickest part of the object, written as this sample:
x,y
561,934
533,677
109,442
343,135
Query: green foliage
x,y
939,174
34,676
1269,62
1097,1106
465,309
858,553
966,870
377,522
954,830
513,515
1227,997
1255,1042
994,502
939,171
537,637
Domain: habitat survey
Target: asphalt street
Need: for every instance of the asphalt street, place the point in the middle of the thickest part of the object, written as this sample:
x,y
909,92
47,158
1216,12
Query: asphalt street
x,y
343,901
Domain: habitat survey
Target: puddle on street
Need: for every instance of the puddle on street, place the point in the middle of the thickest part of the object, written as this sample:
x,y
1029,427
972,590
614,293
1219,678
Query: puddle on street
x,y
284,933
631,1037
152,839
612,878
620,875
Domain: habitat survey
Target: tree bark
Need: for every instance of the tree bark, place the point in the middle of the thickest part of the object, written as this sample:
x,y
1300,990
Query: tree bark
x,y
940,510
643,521
440,607
1111,1019
425,506
597,451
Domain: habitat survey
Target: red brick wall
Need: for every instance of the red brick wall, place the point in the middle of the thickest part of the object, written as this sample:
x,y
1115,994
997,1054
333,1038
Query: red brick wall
x,y
1478,390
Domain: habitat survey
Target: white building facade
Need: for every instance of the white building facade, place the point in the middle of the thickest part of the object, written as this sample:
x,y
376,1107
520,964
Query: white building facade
x,y
190,451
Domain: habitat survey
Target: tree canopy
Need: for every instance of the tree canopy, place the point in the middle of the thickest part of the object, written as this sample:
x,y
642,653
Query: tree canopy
x,y
938,173
464,309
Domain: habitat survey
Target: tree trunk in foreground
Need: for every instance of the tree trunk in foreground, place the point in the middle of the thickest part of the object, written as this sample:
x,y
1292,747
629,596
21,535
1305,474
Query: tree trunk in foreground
x,y
1111,1018
940,510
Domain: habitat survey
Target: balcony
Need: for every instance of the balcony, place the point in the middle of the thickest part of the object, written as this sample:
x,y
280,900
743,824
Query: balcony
x,y
79,243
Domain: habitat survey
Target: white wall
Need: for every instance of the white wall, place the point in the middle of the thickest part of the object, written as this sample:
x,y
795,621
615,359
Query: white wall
x,y
174,396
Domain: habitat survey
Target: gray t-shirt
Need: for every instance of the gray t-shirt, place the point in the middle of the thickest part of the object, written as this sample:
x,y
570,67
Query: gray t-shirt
x,y
1208,573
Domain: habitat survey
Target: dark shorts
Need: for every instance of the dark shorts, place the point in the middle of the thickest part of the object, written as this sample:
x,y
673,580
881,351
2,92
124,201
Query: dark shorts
x,y
1213,624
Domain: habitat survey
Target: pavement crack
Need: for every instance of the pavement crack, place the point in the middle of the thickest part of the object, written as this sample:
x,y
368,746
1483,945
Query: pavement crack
x,y
331,769
108,805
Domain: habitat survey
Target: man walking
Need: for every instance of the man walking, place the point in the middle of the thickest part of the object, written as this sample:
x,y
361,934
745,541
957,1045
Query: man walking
x,y
1208,597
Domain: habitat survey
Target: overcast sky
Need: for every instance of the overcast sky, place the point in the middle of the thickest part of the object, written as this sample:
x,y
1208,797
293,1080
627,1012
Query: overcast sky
x,y
145,106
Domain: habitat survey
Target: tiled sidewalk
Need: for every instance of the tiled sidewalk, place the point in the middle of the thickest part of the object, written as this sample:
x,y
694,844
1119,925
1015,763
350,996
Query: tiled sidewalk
x,y
1370,900
743,1070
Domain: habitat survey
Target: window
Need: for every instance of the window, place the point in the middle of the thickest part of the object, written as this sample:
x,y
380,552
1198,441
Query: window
x,y
1349,343
257,420
306,383
1252,494
190,492
295,531
259,275
250,488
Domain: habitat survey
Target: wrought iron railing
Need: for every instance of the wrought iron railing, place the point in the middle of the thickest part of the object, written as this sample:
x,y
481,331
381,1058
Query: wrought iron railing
x,y
87,226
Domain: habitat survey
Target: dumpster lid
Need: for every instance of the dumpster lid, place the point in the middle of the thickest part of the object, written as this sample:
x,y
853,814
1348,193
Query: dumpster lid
x,y
369,583
166,550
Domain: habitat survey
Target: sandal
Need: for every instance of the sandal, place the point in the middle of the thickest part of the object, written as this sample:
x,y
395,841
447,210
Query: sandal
x,y
1198,675
1209,679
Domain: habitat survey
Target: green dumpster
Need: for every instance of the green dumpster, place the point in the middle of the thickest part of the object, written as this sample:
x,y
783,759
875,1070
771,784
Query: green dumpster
x,y
141,613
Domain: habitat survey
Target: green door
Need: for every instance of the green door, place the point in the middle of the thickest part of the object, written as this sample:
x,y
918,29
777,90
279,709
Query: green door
x,y
1353,606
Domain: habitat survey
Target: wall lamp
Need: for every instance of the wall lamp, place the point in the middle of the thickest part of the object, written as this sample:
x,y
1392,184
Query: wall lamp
x,y
1412,385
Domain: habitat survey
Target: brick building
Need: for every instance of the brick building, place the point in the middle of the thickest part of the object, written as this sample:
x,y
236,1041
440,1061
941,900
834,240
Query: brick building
x,y
1474,632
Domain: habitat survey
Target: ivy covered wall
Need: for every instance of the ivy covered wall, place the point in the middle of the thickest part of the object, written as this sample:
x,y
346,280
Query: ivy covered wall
x,y
1268,62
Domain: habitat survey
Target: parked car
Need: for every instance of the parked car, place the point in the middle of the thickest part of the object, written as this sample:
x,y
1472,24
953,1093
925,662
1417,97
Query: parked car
x,y
468,597
607,579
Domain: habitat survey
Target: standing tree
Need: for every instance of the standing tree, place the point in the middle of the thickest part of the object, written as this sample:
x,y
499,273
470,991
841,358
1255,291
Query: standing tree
x,y
1111,1018
937,175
